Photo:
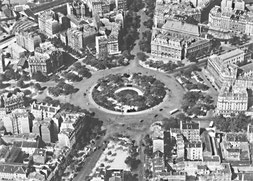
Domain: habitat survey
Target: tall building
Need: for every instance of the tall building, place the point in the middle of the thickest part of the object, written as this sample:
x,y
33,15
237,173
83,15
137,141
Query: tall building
x,y
28,39
75,38
46,59
101,47
13,101
231,100
194,150
108,44
48,24
20,121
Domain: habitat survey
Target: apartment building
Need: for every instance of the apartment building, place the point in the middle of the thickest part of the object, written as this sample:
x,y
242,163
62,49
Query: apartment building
x,y
232,100
231,16
28,39
44,111
46,59
13,101
48,24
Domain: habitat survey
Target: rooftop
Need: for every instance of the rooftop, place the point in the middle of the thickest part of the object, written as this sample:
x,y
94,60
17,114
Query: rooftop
x,y
181,27
189,125
236,137
231,54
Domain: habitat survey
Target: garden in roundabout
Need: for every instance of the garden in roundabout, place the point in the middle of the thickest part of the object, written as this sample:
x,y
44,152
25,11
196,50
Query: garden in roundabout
x,y
127,93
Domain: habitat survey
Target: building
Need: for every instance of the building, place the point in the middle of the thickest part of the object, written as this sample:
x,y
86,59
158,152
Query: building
x,y
39,156
107,45
46,59
2,62
180,147
12,171
190,130
114,175
231,16
194,150
20,121
75,38
250,133
222,68
13,101
48,24
222,173
47,129
44,110
16,51
235,149
171,176
28,39
231,100
27,146
172,10
101,47
158,145
176,41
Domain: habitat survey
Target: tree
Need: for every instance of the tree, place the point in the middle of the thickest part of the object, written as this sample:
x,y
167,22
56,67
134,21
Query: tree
x,y
27,92
37,86
21,84
132,162
15,91
142,56
10,74
39,76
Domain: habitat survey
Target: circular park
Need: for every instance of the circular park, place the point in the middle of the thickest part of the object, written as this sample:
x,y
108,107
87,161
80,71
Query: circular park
x,y
128,93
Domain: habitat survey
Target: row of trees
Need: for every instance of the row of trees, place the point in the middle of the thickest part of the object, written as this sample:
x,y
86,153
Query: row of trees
x,y
108,63
129,34
66,106
235,123
163,66
62,89
145,42
197,103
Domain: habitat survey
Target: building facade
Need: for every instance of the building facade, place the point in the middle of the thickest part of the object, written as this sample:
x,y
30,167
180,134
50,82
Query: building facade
x,y
13,101
44,111
46,59
190,130
232,101
231,16
194,150
48,24
28,40
20,121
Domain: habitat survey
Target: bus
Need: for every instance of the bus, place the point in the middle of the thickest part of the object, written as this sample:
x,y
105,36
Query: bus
x,y
174,111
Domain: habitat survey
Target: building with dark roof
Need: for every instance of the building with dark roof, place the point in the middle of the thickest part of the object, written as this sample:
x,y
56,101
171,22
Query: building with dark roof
x,y
190,130
44,110
39,156
194,150
47,59
13,171
13,101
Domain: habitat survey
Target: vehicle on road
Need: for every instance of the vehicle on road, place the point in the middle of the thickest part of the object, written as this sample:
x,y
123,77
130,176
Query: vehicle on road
x,y
174,111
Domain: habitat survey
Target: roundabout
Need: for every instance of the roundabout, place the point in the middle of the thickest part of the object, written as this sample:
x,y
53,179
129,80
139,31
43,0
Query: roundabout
x,y
128,94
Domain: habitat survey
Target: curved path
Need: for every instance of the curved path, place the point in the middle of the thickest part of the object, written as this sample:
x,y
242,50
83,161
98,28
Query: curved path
x,y
130,88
